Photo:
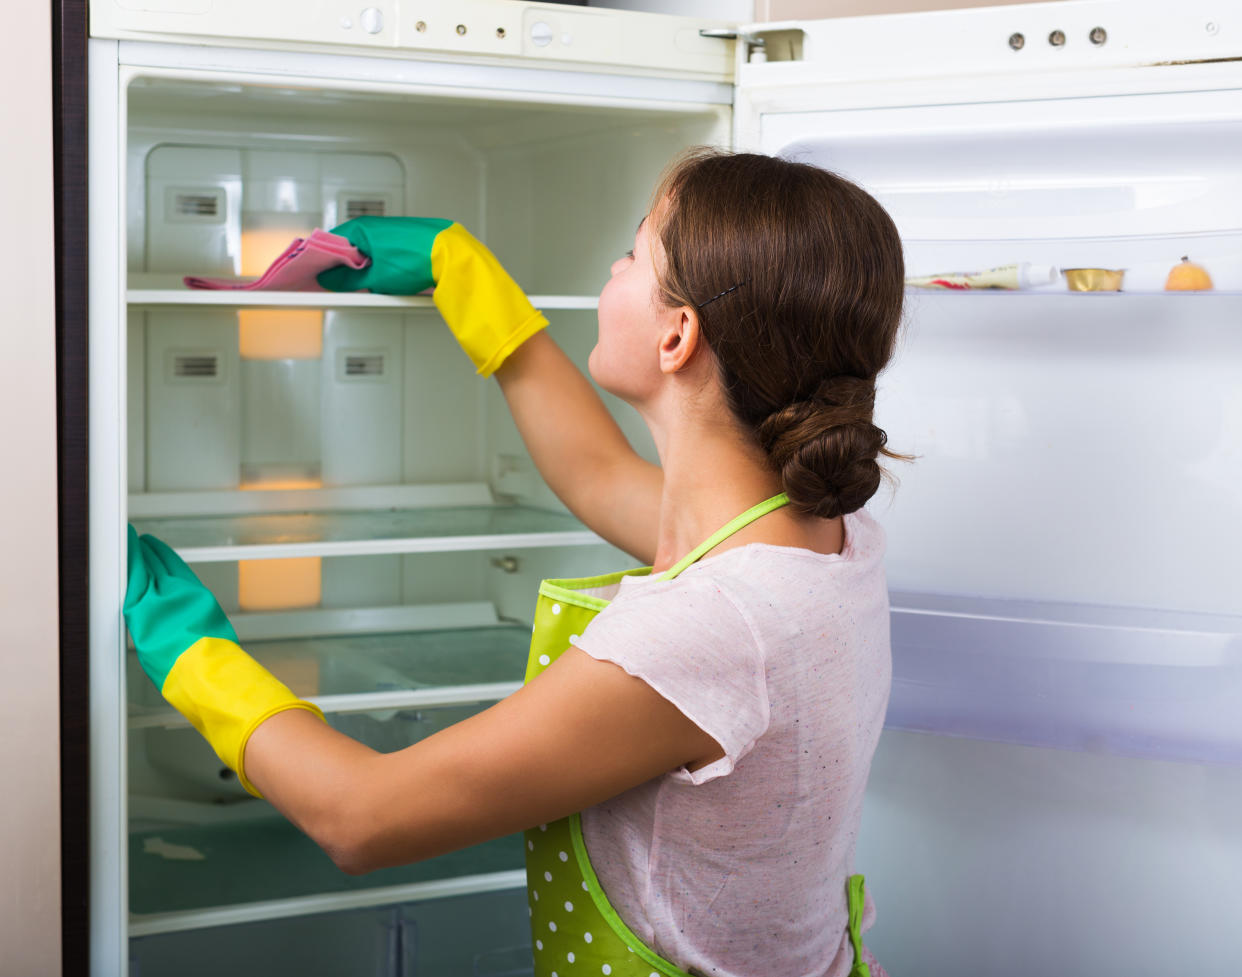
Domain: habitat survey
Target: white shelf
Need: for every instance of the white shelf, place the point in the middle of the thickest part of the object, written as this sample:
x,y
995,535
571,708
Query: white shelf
x,y
276,536
154,291
227,525
1131,681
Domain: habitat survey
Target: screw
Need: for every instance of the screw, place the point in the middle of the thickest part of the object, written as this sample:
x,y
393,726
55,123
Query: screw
x,y
1016,41
509,564
421,26
1057,38
461,28
500,32
1098,36
1211,27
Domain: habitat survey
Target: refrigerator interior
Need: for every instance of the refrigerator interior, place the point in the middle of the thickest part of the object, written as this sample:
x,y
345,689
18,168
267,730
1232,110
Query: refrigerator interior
x,y
357,499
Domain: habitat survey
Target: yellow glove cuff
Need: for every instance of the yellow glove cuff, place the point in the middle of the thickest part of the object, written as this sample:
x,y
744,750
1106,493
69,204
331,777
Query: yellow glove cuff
x,y
226,694
485,309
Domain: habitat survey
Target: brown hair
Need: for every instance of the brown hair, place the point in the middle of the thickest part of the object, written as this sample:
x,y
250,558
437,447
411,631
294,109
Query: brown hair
x,y
797,278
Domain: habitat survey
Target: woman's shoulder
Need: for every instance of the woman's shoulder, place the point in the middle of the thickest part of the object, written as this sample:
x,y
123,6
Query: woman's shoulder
x,y
862,547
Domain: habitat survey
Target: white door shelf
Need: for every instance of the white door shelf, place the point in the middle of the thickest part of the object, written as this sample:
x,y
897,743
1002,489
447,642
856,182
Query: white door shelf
x,y
214,539
156,291
190,877
1130,681
355,672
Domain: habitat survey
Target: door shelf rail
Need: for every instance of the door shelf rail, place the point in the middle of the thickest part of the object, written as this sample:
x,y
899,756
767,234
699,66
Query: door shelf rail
x,y
1129,681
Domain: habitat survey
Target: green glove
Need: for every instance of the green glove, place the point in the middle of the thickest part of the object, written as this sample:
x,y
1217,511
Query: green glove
x,y
485,309
187,647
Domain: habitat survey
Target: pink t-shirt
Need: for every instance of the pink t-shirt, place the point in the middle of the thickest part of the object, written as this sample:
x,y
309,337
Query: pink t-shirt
x,y
782,656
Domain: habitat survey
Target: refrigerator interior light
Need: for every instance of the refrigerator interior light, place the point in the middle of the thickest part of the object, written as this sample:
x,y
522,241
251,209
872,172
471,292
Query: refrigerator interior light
x,y
279,585
280,334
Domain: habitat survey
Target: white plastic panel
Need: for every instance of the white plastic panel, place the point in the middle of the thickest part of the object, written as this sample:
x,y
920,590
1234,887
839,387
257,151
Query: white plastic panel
x,y
989,859
361,405
1058,170
1070,448
280,419
193,405
193,204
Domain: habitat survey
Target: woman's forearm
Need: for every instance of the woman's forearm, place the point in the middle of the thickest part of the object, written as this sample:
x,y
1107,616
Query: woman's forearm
x,y
578,447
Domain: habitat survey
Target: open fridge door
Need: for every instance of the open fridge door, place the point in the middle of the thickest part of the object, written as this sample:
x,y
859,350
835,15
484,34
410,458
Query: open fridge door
x,y
1065,551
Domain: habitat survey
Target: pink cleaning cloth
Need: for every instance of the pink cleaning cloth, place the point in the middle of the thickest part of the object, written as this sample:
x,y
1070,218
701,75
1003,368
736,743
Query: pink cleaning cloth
x,y
296,268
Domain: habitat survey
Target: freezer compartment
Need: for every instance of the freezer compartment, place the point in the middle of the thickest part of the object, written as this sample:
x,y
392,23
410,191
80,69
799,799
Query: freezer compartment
x,y
484,934
1130,681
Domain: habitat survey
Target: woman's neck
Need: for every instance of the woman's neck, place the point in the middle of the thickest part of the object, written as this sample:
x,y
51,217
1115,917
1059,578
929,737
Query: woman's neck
x,y
711,474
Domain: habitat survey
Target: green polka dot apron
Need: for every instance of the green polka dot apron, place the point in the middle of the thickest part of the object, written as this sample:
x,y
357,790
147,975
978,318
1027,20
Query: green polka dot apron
x,y
575,931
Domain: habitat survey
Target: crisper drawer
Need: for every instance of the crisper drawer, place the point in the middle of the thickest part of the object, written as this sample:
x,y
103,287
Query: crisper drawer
x,y
484,934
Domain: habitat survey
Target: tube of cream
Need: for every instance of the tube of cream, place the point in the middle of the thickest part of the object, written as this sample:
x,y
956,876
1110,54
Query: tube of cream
x,y
1021,275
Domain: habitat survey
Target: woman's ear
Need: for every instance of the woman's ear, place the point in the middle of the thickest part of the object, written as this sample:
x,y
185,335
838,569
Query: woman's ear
x,y
680,339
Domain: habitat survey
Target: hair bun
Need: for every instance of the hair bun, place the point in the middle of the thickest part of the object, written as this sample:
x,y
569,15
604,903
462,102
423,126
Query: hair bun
x,y
825,447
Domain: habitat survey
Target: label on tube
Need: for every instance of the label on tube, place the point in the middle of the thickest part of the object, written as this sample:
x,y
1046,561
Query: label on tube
x,y
1021,275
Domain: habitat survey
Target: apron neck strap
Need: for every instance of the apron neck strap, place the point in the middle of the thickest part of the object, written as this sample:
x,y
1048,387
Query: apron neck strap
x,y
724,532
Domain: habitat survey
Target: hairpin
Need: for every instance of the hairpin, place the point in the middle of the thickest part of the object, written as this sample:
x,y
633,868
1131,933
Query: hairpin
x,y
720,296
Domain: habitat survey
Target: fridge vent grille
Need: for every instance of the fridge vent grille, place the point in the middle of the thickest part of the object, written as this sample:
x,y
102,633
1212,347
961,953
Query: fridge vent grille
x,y
369,365
364,208
197,205
196,365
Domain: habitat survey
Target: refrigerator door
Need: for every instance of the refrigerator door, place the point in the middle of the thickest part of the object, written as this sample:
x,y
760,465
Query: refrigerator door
x,y
1076,454
1064,551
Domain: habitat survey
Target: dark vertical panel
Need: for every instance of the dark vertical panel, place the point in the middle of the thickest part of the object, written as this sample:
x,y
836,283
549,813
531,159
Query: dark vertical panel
x,y
69,88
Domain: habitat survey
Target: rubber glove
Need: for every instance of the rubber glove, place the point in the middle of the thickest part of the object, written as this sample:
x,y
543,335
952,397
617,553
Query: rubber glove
x,y
188,648
485,309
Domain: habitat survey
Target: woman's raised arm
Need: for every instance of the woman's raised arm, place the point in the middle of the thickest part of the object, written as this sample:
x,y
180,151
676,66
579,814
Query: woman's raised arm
x,y
579,449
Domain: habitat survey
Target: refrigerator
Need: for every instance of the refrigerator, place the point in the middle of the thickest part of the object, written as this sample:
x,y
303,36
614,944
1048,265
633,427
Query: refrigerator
x,y
1057,786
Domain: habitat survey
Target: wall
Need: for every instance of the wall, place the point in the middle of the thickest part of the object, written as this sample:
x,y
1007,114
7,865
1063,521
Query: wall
x,y
29,711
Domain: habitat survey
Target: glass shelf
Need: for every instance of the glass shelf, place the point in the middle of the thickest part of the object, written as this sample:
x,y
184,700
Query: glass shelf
x,y
366,672
186,869
167,291
382,662
214,539
485,933
1130,681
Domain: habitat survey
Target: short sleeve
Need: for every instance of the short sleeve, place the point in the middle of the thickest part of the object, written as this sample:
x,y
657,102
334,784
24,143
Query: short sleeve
x,y
692,644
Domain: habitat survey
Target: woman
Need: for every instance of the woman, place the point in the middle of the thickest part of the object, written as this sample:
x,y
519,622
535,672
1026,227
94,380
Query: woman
x,y
714,721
